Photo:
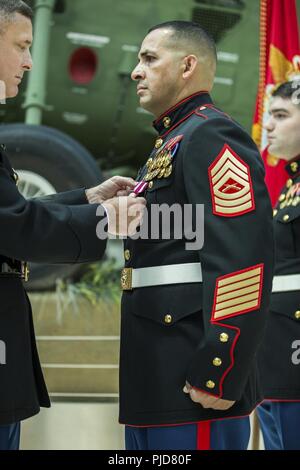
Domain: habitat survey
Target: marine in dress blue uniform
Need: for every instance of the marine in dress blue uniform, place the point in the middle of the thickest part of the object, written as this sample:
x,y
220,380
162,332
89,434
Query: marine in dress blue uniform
x,y
280,353
195,317
40,232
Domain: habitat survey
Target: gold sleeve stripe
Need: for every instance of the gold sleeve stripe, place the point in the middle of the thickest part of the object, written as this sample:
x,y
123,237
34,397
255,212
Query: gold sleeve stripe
x,y
238,292
238,309
238,285
240,277
237,300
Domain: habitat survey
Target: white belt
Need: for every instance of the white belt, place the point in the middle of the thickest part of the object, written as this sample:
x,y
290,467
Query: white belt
x,y
160,275
286,283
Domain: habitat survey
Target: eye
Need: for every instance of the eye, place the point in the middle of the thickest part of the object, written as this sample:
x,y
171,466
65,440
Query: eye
x,y
149,58
280,116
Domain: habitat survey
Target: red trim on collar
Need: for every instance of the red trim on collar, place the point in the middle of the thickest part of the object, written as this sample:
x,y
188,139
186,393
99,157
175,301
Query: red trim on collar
x,y
188,98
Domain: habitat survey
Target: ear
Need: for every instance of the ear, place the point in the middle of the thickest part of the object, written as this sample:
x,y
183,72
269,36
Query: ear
x,y
190,63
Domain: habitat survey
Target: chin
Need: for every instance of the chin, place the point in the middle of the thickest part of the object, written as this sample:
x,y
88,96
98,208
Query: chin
x,y
12,93
274,151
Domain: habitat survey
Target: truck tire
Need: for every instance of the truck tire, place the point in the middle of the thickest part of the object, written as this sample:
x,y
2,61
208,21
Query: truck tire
x,y
48,161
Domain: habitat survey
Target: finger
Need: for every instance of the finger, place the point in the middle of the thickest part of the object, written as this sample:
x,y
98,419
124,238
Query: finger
x,y
187,388
124,181
204,399
141,200
223,405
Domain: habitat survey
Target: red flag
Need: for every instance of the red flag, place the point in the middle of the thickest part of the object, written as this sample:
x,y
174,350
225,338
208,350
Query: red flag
x,y
279,62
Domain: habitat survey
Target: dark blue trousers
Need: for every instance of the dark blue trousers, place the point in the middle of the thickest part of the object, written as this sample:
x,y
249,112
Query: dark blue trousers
x,y
227,434
279,422
10,437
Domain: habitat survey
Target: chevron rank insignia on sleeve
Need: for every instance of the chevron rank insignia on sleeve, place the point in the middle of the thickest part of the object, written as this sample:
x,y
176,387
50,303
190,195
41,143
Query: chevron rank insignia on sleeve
x,y
230,185
238,292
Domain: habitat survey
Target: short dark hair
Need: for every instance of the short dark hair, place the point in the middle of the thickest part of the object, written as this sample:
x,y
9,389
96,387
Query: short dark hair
x,y
189,31
8,8
287,90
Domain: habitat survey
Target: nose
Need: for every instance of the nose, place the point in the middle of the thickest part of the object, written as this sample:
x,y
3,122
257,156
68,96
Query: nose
x,y
269,124
27,63
137,73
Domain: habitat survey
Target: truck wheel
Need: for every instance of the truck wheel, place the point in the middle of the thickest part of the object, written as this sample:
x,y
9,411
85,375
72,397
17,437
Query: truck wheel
x,y
48,161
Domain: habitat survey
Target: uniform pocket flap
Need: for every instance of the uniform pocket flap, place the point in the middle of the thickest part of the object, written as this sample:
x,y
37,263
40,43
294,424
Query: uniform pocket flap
x,y
167,304
287,304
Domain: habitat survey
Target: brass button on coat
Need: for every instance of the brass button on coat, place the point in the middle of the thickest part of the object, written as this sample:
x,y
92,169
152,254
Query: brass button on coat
x,y
217,361
224,337
275,212
289,183
168,319
282,197
297,315
167,122
285,217
210,384
127,255
158,143
294,167
150,185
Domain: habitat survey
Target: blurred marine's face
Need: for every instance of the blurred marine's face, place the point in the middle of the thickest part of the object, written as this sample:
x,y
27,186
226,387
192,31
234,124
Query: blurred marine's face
x,y
283,128
158,72
15,57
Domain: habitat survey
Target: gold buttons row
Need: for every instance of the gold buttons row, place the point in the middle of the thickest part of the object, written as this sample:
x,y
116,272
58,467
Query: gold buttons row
x,y
158,143
217,362
210,384
167,122
297,315
294,167
224,337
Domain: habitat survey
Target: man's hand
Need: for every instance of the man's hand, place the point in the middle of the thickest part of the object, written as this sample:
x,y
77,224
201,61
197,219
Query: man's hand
x,y
115,186
125,214
207,401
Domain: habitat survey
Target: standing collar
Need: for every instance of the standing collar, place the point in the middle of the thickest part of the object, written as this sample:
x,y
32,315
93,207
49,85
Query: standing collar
x,y
293,167
182,109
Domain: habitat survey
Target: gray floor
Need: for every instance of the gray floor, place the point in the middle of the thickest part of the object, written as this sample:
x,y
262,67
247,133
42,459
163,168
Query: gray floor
x,y
74,426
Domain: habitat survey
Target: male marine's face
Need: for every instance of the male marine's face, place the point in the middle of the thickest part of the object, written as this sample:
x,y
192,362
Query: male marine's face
x,y
283,128
158,72
15,57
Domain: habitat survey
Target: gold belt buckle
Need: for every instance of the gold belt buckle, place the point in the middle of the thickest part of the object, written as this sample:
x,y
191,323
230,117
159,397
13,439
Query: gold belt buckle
x,y
25,271
126,279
